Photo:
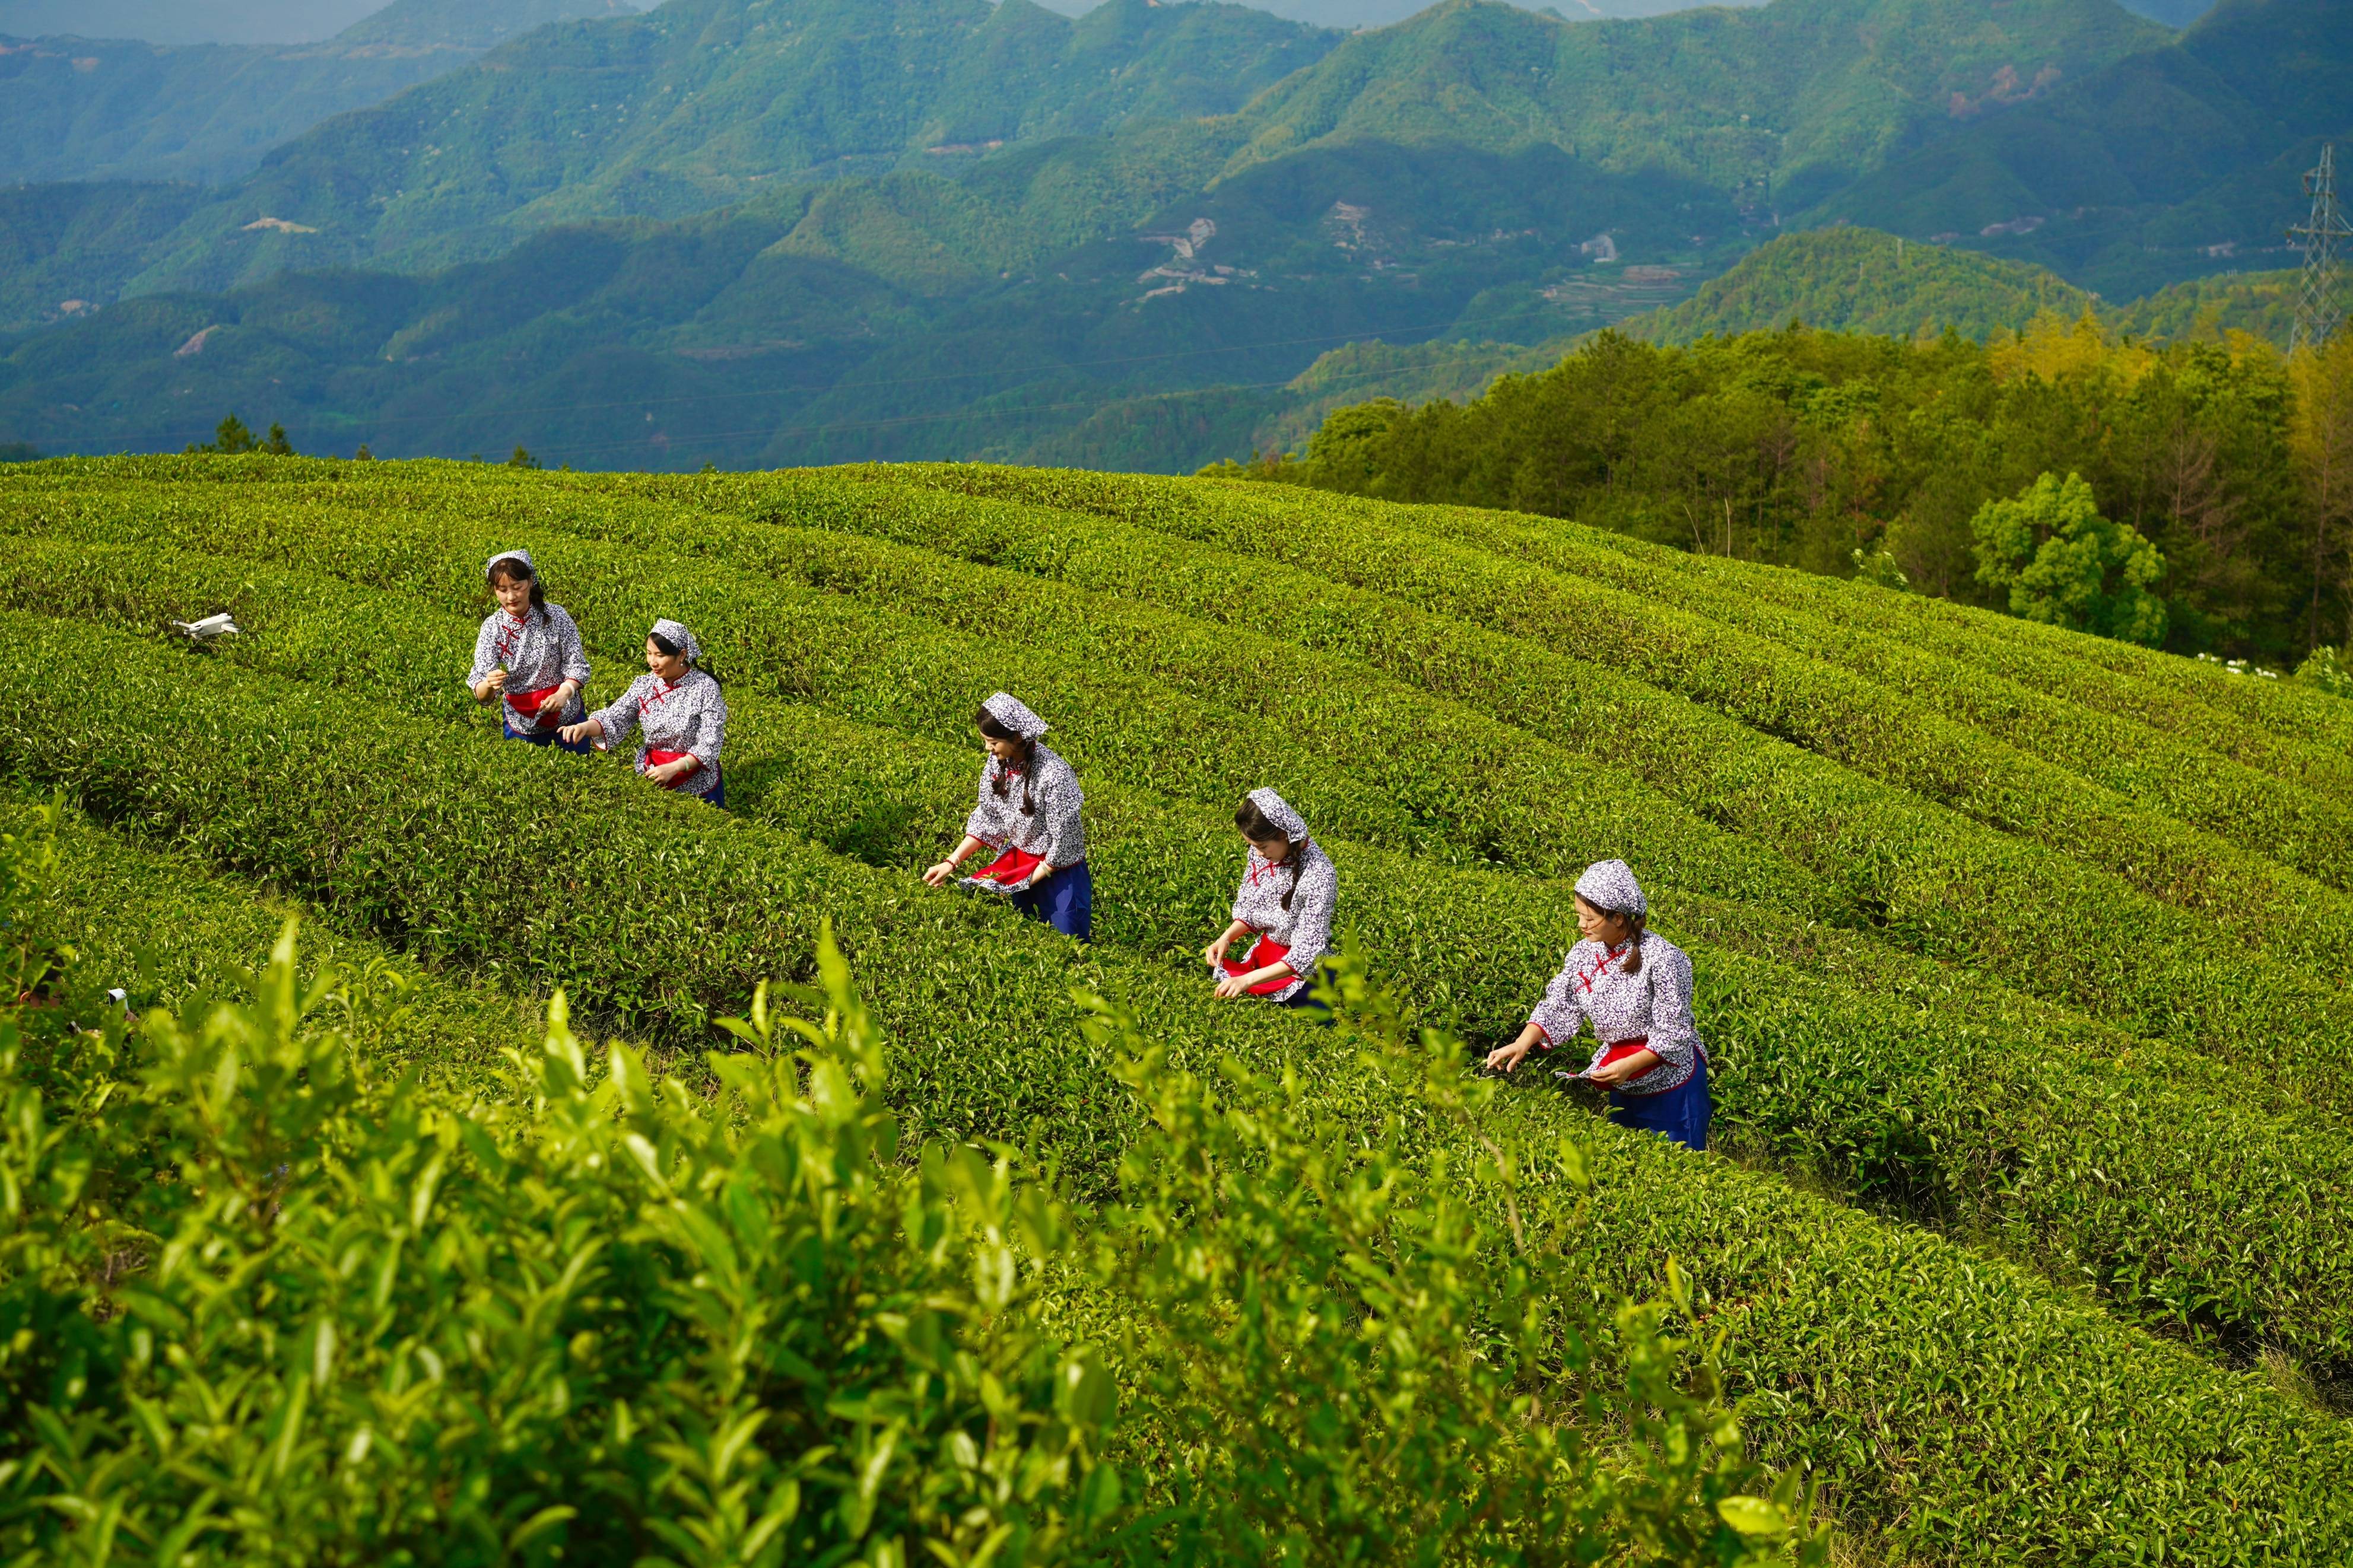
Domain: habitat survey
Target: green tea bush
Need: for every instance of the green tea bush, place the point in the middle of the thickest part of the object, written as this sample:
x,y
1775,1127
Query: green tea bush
x,y
1878,731
603,1316
2170,695
163,928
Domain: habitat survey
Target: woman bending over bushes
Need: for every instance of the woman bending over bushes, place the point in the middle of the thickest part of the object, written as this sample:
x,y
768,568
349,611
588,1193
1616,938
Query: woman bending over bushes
x,y
1290,892
1635,987
678,709
1029,812
529,655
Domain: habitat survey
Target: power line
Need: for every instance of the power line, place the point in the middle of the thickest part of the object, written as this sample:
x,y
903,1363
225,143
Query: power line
x,y
2319,307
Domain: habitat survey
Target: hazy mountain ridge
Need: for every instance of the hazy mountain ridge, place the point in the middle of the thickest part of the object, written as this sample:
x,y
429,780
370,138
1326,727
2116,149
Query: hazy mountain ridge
x,y
80,109
696,106
1805,95
2174,153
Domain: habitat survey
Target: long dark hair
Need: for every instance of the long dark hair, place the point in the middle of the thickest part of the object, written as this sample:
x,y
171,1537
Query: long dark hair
x,y
507,566
994,728
1257,830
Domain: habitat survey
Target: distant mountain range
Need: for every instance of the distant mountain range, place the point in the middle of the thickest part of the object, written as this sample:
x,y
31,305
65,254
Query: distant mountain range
x,y
2119,177
797,230
74,108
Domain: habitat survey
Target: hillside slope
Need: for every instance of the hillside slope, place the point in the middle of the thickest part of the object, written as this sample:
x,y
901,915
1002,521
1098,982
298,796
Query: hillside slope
x,y
1858,280
1854,809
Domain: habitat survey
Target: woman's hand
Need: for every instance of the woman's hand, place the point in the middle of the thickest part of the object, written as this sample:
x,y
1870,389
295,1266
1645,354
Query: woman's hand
x,y
495,684
1216,952
1039,875
1503,1059
671,773
587,730
944,872
557,702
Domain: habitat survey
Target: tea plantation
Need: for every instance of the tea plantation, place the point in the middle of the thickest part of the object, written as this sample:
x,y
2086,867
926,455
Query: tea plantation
x,y
2029,1237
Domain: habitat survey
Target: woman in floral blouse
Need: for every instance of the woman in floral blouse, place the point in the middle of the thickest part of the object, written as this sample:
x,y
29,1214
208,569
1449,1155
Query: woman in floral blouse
x,y
1290,892
680,711
1635,988
1029,812
528,657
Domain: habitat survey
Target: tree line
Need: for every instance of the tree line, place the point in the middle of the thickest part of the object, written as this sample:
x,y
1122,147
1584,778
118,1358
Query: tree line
x,y
2195,496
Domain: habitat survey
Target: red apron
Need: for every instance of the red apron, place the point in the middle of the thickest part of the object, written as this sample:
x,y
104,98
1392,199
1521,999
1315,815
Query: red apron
x,y
1263,953
529,705
1611,1055
663,759
1013,869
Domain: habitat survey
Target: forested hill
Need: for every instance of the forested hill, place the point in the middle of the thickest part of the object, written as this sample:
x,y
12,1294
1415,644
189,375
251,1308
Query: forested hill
x,y
1864,281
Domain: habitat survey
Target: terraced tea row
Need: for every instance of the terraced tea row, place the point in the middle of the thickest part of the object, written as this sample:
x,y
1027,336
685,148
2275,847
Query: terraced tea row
x,y
2297,735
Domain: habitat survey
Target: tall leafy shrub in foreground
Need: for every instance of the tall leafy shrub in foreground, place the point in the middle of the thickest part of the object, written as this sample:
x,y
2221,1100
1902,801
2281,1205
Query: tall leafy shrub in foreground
x,y
258,1304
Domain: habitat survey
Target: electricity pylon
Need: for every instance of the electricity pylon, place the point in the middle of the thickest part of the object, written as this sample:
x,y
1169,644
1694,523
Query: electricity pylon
x,y
2319,307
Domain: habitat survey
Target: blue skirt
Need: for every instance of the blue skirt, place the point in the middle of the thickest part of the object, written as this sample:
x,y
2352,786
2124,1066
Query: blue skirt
x,y
717,794
1680,1114
1065,901
542,737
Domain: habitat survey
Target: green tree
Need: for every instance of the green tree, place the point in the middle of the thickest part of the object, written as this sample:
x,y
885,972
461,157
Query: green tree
x,y
2065,565
277,446
522,459
230,436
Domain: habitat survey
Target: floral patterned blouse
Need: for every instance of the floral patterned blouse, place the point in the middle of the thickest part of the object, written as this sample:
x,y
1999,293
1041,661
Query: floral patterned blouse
x,y
541,650
689,715
1654,1004
1037,812
1305,928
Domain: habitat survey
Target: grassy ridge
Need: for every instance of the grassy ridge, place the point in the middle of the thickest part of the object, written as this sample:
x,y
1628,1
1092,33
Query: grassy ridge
x,y
1908,1373
1903,1084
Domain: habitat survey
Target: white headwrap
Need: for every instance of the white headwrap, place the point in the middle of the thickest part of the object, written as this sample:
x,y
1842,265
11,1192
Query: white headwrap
x,y
1277,810
522,555
1015,716
679,638
1610,886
